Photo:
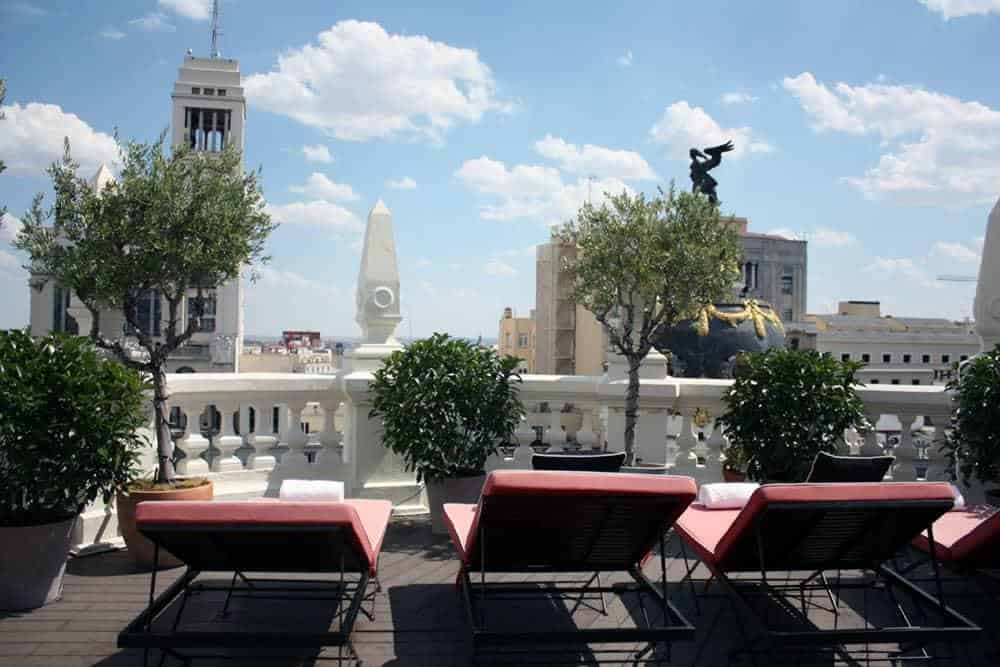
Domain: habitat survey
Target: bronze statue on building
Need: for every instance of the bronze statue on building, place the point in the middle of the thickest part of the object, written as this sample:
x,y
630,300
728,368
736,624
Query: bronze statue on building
x,y
702,163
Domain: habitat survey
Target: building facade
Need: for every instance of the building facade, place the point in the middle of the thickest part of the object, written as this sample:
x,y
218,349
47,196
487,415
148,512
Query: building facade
x,y
517,338
209,113
570,341
894,350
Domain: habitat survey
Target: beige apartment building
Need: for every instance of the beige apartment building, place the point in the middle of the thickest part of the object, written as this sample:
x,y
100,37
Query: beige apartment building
x,y
517,338
570,341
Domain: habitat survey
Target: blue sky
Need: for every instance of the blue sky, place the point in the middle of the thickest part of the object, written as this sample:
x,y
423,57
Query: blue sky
x,y
870,128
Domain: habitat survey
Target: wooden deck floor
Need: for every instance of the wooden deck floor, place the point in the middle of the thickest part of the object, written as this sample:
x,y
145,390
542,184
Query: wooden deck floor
x,y
419,619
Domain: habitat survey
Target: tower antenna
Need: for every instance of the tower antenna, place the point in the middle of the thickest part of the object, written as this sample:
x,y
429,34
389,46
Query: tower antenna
x,y
216,31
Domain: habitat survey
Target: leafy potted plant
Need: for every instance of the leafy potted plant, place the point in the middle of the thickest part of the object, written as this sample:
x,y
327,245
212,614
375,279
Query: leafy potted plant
x,y
446,404
973,446
786,406
172,228
68,435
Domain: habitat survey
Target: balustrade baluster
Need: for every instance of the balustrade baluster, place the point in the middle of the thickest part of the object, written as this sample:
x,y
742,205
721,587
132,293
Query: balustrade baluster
x,y
227,442
904,470
192,443
937,460
685,462
261,440
871,446
712,472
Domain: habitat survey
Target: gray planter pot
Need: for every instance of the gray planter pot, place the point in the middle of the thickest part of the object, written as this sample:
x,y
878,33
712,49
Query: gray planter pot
x,y
32,563
452,490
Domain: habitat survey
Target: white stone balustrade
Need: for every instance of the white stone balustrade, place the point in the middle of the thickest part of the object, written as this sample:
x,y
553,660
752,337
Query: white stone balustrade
x,y
677,429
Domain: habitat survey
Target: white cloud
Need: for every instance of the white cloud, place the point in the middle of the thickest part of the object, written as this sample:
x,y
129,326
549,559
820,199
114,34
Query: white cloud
x,y
950,9
497,267
625,60
316,213
26,9
405,183
594,160
112,33
738,98
360,82
532,192
153,22
317,153
935,148
683,127
9,227
198,10
821,237
527,251
32,139
959,251
284,299
320,186
423,262
904,269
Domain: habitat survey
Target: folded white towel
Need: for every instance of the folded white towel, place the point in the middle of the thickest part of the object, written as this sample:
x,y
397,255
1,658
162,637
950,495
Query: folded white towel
x,y
726,496
311,490
959,498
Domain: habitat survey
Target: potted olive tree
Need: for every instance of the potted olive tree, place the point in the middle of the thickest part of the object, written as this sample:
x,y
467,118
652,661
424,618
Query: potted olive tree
x,y
173,227
69,434
786,406
446,405
973,445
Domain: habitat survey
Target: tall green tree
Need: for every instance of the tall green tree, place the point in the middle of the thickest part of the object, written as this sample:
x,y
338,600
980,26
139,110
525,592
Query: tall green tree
x,y
647,263
178,223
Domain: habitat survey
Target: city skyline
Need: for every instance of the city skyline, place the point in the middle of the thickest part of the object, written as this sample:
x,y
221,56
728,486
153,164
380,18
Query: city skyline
x,y
481,128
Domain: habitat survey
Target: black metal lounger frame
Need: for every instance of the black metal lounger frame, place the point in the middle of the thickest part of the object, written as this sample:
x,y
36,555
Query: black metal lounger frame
x,y
909,637
675,626
139,633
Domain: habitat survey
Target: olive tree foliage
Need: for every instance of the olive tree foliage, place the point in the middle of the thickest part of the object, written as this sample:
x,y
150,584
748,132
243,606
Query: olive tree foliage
x,y
178,222
647,263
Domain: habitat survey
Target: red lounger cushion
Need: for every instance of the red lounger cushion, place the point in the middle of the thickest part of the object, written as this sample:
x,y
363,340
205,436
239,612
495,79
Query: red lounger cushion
x,y
367,519
463,520
970,534
716,534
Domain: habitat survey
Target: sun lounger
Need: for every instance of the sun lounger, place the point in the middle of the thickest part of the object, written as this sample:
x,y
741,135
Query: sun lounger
x,y
601,462
326,538
812,528
567,522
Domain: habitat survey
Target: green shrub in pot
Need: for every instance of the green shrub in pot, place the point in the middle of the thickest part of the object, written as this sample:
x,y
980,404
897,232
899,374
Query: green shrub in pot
x,y
973,445
69,434
445,405
786,406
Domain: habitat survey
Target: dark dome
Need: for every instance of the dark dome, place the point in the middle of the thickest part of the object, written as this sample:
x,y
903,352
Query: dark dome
x,y
707,346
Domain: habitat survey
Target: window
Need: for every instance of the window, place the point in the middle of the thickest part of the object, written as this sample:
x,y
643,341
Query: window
x,y
866,357
906,358
522,340
208,312
926,358
874,382
221,92
794,343
964,357
945,358
62,321
209,91
207,129
275,418
786,315
786,285
146,314
886,358
507,339
845,357
895,381
196,90
915,382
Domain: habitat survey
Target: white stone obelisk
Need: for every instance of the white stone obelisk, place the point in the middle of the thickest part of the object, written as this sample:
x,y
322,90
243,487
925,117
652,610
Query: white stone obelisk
x,y
987,305
378,311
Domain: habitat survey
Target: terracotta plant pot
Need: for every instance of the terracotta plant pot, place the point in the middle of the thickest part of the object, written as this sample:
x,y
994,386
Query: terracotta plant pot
x,y
452,490
140,548
32,563
729,475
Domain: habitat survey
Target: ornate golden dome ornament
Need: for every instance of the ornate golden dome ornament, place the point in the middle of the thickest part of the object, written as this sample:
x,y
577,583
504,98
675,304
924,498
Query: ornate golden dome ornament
x,y
751,311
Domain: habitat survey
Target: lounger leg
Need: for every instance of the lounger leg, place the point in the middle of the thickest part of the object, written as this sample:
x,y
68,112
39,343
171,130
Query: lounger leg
x,y
229,594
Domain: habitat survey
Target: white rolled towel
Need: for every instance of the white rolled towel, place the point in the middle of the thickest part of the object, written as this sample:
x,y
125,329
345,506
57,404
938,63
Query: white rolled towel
x,y
311,490
726,496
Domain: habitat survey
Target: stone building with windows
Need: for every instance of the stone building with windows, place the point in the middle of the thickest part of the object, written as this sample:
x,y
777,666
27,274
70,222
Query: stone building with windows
x,y
517,338
209,113
894,350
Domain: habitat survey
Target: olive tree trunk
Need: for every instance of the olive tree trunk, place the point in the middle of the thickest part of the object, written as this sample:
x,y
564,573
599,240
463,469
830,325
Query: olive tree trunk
x,y
164,443
631,406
